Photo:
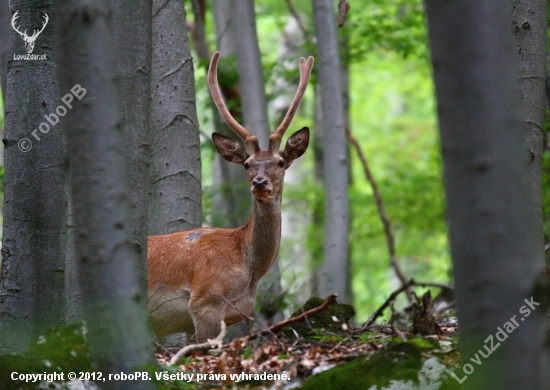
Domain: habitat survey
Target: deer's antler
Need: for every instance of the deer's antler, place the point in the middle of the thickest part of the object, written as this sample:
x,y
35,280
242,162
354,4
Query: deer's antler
x,y
305,73
44,24
250,141
13,19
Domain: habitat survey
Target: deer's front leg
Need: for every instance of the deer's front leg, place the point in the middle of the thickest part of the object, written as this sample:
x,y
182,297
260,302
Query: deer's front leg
x,y
207,311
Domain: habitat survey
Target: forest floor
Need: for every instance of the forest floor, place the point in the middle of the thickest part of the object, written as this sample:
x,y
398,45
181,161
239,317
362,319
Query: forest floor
x,y
318,348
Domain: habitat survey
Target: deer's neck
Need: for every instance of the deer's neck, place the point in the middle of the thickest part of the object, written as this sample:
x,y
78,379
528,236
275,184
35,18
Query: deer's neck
x,y
263,231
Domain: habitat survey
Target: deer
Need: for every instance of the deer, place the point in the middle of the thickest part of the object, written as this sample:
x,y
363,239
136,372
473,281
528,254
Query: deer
x,y
201,277
29,41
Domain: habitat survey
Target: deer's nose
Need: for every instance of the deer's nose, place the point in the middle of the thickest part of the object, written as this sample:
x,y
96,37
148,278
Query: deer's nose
x,y
259,183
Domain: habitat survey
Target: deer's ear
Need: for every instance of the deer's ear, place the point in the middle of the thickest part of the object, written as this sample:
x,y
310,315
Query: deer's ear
x,y
296,145
229,149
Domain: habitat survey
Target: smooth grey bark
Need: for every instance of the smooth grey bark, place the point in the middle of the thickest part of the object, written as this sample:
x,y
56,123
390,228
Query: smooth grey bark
x,y
231,199
175,175
114,305
254,107
5,29
249,65
132,32
73,292
344,50
334,273
497,266
223,20
35,202
530,26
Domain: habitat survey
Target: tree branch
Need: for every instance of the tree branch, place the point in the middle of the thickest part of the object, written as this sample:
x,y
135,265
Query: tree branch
x,y
390,241
296,16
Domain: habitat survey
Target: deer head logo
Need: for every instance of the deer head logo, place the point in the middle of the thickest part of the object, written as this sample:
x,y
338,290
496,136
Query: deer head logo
x,y
29,40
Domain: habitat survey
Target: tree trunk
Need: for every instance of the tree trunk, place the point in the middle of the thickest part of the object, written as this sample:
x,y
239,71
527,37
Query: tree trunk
x,y
317,231
115,308
73,292
132,32
498,268
530,26
334,274
175,181
231,193
35,204
254,106
5,30
251,76
344,50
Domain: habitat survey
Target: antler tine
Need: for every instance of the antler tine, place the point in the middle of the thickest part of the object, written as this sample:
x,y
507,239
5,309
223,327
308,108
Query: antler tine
x,y
305,73
44,24
250,140
13,20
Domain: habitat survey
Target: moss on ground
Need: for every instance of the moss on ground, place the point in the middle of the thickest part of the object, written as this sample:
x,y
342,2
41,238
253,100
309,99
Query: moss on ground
x,y
327,322
397,363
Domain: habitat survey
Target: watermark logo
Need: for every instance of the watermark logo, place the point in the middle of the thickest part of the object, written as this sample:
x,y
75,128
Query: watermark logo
x,y
501,335
25,144
29,40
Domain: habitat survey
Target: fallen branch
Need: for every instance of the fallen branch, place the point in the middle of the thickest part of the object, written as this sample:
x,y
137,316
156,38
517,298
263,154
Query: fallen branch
x,y
390,241
331,299
211,343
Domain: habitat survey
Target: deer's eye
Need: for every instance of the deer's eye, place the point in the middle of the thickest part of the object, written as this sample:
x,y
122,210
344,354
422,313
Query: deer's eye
x,y
246,165
281,163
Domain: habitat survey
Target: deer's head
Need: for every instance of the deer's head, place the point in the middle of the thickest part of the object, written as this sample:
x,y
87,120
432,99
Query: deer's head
x,y
265,167
29,40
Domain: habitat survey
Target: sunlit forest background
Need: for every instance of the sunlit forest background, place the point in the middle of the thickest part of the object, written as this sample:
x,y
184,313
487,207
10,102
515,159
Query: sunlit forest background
x,y
392,113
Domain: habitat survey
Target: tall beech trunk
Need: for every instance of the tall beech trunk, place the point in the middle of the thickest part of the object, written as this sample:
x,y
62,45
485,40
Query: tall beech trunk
x,y
5,29
132,32
231,193
115,307
175,176
254,107
334,273
530,26
35,202
498,269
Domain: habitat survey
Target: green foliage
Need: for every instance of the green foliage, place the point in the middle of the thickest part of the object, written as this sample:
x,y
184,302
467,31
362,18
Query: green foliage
x,y
394,25
393,117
